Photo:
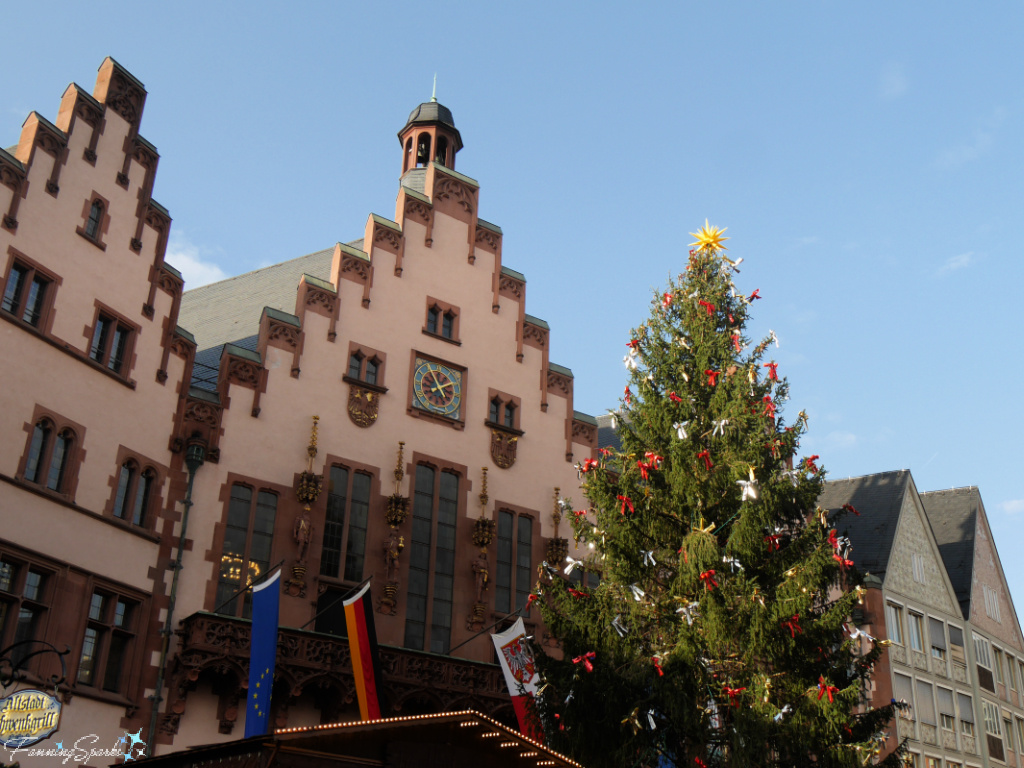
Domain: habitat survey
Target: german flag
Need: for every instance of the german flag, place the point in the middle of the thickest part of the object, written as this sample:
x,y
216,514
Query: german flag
x,y
362,643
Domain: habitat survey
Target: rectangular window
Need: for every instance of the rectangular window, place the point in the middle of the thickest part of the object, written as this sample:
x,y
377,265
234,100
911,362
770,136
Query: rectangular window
x,y
997,663
24,598
933,762
248,537
991,602
1011,672
937,637
903,690
515,542
894,623
1008,733
915,628
983,651
345,491
434,513
108,640
109,342
956,645
918,564
966,706
27,294
925,703
947,713
991,714
1020,732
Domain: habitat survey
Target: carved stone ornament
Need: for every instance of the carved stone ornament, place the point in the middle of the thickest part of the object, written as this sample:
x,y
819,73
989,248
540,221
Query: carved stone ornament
x,y
510,285
418,210
309,487
483,532
385,236
397,509
488,238
351,265
446,188
125,98
317,297
243,372
203,413
535,334
362,405
503,448
558,383
283,332
586,432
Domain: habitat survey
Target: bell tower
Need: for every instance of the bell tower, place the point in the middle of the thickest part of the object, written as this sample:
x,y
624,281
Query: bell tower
x,y
429,136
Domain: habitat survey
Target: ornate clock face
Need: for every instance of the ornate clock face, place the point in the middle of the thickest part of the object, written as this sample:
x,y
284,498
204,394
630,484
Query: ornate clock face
x,y
437,388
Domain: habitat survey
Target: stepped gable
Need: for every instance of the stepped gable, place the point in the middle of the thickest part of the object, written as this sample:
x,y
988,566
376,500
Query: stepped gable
x,y
878,499
953,517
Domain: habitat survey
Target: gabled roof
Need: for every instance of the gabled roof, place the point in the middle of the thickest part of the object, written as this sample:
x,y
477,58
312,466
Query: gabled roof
x,y
231,309
878,499
953,515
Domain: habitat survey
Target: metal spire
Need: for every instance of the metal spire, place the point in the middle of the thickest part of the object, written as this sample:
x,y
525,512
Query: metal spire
x,y
433,95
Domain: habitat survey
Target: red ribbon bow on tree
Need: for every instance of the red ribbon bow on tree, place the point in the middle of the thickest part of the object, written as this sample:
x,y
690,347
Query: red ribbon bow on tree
x,y
533,596
755,295
700,763
824,688
769,407
773,542
707,459
712,376
809,464
626,502
708,577
657,666
849,507
666,300
589,464
736,342
578,593
793,625
633,344
674,397
654,458
773,371
644,466
586,660
733,694
708,306
580,512
774,445
628,396
843,564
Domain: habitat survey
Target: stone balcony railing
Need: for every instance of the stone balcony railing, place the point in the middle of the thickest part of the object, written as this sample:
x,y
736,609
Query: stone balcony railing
x,y
320,665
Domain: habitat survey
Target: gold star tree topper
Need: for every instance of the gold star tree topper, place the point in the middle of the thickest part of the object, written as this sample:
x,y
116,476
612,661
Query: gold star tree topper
x,y
709,238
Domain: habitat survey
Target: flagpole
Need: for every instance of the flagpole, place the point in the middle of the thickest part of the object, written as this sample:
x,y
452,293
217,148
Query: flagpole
x,y
518,612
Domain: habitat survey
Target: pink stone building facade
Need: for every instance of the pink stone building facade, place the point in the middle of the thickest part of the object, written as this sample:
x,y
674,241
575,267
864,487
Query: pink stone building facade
x,y
382,409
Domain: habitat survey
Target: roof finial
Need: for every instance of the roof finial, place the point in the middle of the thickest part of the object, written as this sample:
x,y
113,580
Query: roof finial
x,y
433,95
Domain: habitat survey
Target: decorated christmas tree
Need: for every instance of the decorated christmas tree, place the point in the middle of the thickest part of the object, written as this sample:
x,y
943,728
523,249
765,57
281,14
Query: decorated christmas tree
x,y
709,623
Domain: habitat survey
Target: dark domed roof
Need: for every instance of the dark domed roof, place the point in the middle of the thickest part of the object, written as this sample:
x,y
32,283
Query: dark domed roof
x,y
432,113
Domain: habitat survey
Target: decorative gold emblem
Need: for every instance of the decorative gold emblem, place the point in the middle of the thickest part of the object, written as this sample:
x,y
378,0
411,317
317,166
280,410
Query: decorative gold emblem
x,y
503,448
709,239
362,405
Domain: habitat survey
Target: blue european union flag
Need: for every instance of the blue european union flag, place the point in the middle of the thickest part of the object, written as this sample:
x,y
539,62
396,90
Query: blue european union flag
x,y
262,655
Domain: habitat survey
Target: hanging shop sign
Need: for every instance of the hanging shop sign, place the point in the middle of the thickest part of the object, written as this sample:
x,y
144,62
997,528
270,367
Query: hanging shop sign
x,y
27,717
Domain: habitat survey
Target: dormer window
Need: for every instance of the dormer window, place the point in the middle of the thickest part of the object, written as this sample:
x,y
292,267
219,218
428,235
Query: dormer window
x,y
365,366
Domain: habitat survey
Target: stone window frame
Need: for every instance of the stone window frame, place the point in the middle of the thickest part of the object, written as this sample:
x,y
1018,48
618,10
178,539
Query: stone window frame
x,y
34,269
517,513
102,227
503,400
73,458
366,353
153,503
14,599
444,310
353,468
108,626
100,359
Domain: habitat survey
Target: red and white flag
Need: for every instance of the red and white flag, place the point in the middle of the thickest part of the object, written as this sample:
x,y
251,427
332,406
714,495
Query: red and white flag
x,y
520,676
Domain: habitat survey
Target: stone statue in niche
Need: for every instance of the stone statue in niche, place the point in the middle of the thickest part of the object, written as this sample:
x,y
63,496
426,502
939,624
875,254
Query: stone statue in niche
x,y
481,575
303,533
393,546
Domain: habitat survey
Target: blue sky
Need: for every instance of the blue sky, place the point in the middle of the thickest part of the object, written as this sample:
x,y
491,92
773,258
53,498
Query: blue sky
x,y
866,159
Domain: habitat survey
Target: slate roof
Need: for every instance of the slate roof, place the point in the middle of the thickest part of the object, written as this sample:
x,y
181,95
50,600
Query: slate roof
x,y
607,436
953,515
230,309
878,499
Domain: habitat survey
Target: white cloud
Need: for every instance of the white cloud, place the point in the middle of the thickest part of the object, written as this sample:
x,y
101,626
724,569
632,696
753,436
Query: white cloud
x,y
1013,506
195,266
980,143
954,263
893,82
